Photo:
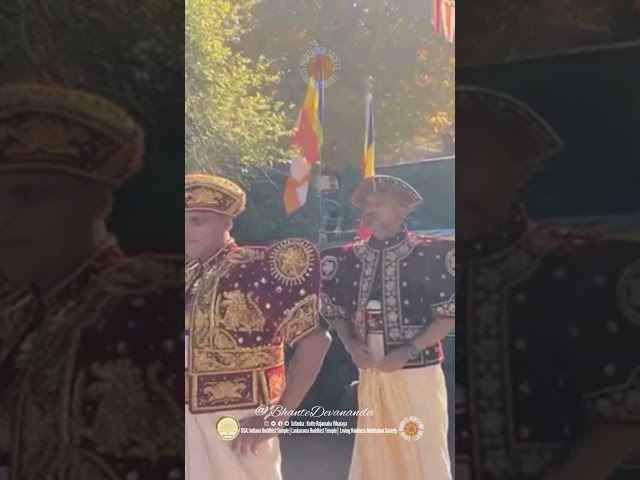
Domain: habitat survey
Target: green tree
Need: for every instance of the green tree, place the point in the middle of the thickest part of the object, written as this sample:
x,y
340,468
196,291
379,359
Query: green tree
x,y
133,54
232,122
130,52
412,69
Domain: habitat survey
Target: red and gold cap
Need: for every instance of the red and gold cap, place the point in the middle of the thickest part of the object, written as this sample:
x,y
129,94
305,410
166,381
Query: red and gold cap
x,y
213,194
385,183
57,129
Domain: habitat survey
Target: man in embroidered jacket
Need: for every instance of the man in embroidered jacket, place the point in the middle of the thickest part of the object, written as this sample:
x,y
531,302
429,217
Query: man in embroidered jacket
x,y
244,304
392,301
87,344
547,382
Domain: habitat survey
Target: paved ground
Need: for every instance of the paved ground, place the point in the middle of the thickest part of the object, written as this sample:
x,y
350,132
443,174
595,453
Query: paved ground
x,y
316,456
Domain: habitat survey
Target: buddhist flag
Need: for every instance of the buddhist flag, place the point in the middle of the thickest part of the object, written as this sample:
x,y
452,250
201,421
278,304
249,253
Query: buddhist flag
x,y
368,158
307,140
367,167
443,18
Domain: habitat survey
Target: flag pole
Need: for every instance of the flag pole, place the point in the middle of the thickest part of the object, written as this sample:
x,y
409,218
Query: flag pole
x,y
321,232
367,113
365,168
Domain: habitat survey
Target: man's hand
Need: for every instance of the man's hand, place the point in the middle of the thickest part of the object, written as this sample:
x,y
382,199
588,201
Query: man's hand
x,y
394,360
249,442
360,353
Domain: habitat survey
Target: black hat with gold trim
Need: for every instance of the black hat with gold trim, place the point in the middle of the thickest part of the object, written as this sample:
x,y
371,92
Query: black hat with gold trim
x,y
56,129
384,183
506,119
213,194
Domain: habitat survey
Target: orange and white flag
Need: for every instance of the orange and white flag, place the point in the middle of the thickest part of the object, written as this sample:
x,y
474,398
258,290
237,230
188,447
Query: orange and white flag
x,y
449,20
307,140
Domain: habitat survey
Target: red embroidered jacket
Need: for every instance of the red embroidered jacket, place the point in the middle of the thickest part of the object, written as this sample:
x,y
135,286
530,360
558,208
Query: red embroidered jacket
x,y
243,306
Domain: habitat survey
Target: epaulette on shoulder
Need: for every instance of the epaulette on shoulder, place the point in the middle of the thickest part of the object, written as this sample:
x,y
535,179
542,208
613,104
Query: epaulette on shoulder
x,y
246,254
292,259
143,274
422,239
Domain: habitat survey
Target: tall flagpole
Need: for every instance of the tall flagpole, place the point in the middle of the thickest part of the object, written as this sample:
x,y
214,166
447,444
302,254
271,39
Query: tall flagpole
x,y
365,168
368,101
320,85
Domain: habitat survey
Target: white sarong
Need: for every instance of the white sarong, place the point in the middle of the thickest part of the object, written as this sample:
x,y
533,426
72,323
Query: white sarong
x,y
208,457
417,392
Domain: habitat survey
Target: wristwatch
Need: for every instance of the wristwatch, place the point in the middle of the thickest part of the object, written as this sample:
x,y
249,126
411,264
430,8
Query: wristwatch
x,y
414,353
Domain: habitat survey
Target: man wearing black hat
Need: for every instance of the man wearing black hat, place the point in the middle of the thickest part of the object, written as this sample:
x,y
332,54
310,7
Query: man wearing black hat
x,y
547,377
392,301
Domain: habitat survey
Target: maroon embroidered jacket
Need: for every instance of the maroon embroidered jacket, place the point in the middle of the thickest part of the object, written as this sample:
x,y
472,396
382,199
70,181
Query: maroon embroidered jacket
x,y
547,346
243,306
88,373
412,275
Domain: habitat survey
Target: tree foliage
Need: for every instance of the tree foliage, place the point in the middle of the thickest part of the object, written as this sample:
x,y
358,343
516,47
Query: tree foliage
x,y
412,70
130,52
232,121
133,54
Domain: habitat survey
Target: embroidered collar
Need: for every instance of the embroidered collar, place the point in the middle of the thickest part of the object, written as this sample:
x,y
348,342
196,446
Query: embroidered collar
x,y
376,244
229,246
505,236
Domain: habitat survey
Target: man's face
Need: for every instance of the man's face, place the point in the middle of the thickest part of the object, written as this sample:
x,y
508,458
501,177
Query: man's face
x,y
487,182
204,233
383,211
45,219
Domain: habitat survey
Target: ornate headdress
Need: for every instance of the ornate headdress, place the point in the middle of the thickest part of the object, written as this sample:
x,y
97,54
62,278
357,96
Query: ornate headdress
x,y
385,183
51,128
213,194
509,118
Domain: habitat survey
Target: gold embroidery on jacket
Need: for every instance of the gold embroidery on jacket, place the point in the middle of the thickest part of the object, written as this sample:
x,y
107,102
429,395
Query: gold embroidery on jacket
x,y
300,320
43,446
245,255
192,271
55,437
138,276
18,310
130,411
225,390
238,313
212,323
291,261
255,358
